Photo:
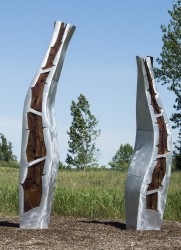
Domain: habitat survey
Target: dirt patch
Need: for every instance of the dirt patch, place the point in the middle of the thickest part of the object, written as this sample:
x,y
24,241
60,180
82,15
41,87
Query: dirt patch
x,y
71,233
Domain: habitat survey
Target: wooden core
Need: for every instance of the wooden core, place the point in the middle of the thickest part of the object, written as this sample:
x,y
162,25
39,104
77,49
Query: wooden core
x,y
36,145
157,178
162,143
55,48
156,108
33,186
37,92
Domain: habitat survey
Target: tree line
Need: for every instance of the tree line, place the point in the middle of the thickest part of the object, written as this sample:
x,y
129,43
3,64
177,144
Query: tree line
x,y
83,131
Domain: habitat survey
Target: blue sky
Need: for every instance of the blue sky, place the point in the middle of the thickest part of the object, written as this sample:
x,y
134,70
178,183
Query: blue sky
x,y
100,63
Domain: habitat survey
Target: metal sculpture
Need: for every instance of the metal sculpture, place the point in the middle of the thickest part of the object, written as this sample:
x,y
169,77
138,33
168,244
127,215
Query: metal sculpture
x,y
149,172
39,149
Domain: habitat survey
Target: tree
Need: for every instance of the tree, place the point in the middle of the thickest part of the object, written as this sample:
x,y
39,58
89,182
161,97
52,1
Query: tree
x,y
6,153
169,72
82,135
177,153
122,158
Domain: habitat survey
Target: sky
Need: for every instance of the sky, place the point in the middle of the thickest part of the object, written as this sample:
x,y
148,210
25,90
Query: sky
x,y
100,63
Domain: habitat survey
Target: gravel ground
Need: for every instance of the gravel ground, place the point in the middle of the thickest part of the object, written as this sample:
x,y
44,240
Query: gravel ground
x,y
73,233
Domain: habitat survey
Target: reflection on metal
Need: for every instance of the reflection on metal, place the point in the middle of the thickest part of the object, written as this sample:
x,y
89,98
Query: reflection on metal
x,y
149,172
39,149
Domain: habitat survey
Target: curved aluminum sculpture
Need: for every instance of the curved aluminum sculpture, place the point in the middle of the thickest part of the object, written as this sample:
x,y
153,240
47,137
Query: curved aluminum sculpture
x,y
149,172
39,150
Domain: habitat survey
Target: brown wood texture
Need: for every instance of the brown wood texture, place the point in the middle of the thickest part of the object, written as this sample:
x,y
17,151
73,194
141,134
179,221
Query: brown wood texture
x,y
33,186
152,201
156,108
37,92
160,168
157,178
162,143
36,145
55,48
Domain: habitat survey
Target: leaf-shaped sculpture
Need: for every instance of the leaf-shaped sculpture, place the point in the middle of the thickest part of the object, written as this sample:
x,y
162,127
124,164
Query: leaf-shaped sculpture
x,y
149,172
39,149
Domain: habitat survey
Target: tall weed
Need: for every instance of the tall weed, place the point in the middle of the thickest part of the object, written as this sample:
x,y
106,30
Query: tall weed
x,y
92,194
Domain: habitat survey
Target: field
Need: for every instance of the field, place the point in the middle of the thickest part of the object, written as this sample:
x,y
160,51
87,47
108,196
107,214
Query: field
x,y
88,213
89,194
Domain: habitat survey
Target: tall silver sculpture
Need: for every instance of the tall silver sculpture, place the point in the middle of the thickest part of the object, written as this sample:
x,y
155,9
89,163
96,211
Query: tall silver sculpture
x,y
149,172
39,149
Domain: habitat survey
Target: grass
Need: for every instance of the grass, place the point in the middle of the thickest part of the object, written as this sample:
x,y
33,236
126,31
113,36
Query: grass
x,y
8,191
92,194
173,204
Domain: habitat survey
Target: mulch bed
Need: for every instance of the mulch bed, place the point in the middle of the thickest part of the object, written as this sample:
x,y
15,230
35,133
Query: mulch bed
x,y
79,233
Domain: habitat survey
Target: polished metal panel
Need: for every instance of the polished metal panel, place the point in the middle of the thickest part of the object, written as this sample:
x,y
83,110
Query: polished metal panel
x,y
149,172
39,136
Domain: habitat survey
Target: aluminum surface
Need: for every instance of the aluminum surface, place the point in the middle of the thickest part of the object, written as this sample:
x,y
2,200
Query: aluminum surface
x,y
39,216
141,187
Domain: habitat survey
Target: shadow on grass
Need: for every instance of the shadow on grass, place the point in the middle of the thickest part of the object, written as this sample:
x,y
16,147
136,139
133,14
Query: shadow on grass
x,y
115,224
8,224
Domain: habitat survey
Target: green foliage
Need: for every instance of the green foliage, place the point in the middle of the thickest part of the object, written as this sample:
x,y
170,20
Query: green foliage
x,y
169,72
6,153
177,153
82,135
170,61
63,167
122,158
